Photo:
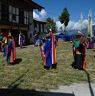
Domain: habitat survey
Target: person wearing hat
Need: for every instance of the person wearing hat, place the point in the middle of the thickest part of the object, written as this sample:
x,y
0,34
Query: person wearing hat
x,y
78,49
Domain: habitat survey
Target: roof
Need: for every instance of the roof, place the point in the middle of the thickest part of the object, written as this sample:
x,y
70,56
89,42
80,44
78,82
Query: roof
x,y
37,6
43,21
34,5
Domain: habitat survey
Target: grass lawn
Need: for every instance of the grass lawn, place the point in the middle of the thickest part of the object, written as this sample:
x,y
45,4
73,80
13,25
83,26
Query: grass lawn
x,y
30,74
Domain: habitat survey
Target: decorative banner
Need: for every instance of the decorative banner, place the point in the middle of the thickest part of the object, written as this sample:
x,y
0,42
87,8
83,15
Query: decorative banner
x,y
90,23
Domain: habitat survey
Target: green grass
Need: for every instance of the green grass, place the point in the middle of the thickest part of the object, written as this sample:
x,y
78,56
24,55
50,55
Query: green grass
x,y
30,74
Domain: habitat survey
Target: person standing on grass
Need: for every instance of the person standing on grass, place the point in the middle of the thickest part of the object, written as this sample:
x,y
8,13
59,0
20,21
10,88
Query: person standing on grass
x,y
77,55
40,44
48,53
11,56
23,36
41,51
79,51
90,43
35,38
20,40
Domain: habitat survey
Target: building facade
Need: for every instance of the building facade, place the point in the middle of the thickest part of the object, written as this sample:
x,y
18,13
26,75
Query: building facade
x,y
17,16
39,26
93,29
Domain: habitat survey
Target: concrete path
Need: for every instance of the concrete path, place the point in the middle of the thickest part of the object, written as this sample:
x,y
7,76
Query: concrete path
x,y
76,90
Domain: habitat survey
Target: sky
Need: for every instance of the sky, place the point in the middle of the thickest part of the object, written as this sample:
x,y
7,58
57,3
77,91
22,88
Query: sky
x,y
54,8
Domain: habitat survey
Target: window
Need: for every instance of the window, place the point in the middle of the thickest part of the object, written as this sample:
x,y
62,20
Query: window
x,y
0,10
26,17
30,17
45,28
13,14
41,28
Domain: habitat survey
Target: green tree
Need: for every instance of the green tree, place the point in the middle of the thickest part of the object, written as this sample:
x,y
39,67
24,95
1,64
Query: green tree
x,y
64,18
50,24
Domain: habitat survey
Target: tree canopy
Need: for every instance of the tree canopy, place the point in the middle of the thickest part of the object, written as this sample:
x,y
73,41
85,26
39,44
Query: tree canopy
x,y
64,17
50,24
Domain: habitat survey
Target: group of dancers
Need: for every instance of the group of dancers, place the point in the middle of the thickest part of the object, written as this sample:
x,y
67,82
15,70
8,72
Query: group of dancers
x,y
7,48
48,50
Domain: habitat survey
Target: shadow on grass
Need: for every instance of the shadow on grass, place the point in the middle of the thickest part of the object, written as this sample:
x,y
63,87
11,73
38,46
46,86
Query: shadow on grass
x,y
20,79
14,90
26,92
89,82
17,61
23,47
75,66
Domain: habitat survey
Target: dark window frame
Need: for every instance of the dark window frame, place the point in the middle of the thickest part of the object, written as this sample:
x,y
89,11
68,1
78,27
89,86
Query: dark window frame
x,y
13,14
26,17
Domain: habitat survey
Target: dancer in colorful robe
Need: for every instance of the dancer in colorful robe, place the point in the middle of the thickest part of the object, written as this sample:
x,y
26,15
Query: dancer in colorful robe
x,y
80,53
48,53
40,44
35,38
4,49
54,63
14,48
90,43
11,56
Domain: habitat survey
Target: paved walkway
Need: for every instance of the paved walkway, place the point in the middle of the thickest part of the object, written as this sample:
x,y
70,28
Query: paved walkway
x,y
76,90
